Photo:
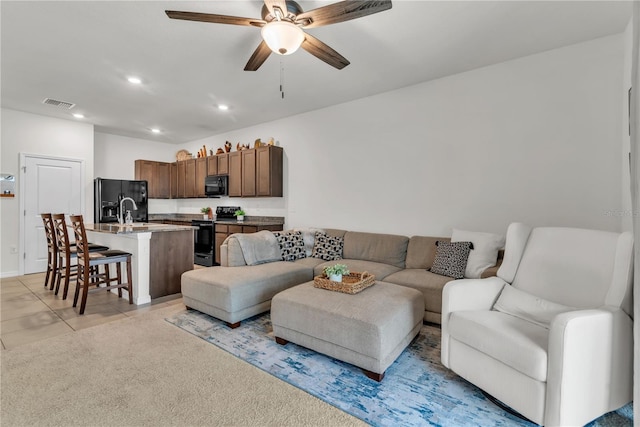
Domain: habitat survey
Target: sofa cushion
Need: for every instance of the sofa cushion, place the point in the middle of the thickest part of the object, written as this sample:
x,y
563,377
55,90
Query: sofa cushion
x,y
378,269
484,253
430,284
309,262
328,248
421,251
451,258
514,342
384,248
236,288
309,238
529,307
291,245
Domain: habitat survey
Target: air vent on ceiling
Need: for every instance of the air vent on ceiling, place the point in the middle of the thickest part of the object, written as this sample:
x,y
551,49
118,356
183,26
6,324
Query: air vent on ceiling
x,y
60,104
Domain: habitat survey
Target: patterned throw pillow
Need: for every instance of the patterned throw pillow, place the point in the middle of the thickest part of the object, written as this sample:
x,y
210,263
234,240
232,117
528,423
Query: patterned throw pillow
x,y
291,245
327,248
451,258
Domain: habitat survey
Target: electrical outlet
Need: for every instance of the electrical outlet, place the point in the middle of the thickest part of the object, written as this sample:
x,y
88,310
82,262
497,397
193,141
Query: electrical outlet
x,y
13,249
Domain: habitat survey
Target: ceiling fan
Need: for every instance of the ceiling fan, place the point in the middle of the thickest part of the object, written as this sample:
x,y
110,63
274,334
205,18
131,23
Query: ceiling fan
x,y
282,26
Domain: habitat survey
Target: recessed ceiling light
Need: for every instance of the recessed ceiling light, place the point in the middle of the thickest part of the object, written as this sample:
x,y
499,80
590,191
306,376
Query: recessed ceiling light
x,y
155,130
134,80
223,107
78,115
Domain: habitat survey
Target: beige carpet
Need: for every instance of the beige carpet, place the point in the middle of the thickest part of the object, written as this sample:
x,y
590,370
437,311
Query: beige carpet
x,y
143,371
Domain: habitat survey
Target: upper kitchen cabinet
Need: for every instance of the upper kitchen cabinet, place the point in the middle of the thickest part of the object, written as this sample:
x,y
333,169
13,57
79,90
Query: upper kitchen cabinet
x,y
223,164
212,165
269,171
190,178
235,173
157,175
248,173
174,180
200,175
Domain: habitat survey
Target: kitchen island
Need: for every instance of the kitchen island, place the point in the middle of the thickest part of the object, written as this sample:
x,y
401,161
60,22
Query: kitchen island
x,y
161,253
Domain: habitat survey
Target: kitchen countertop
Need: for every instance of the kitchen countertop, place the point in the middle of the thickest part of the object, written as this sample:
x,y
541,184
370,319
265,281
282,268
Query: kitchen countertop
x,y
248,220
136,227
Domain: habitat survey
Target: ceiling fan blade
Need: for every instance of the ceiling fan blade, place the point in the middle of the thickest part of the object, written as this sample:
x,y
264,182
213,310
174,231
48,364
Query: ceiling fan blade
x,y
259,56
215,19
281,4
322,51
340,12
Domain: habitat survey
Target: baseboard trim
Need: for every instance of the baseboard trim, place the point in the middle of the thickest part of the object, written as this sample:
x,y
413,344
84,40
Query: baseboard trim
x,y
6,274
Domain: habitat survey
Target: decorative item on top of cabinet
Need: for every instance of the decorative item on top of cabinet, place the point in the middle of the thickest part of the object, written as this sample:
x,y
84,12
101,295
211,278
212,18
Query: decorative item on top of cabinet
x,y
183,155
240,147
227,146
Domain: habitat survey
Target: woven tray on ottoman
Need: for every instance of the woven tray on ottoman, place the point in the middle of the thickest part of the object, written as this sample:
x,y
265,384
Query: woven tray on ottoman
x,y
352,283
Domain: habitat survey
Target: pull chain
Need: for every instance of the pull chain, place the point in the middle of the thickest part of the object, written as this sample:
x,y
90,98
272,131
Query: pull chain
x,y
281,79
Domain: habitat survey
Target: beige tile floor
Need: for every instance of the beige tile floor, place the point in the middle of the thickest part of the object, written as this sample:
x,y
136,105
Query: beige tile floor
x,y
30,312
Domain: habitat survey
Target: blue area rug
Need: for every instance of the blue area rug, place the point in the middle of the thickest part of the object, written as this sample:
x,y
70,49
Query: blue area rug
x,y
416,391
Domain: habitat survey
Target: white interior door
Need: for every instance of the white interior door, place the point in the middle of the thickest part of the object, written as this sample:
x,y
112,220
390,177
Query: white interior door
x,y
49,185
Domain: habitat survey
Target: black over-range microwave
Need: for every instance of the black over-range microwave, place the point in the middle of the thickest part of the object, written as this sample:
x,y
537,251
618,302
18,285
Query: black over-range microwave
x,y
216,185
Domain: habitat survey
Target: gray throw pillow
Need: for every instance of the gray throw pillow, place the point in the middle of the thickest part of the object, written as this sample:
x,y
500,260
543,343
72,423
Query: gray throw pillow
x,y
327,248
291,245
451,258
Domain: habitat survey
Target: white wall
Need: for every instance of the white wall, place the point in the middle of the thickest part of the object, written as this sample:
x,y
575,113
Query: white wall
x,y
115,155
536,140
35,134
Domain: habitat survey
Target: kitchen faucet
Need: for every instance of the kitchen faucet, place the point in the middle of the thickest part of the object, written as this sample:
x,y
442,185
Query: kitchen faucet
x,y
121,216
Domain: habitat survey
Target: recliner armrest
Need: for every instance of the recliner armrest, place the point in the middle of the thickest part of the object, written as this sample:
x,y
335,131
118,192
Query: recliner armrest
x,y
465,295
590,364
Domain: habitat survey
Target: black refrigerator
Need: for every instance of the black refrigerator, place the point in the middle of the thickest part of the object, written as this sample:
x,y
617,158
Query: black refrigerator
x,y
107,194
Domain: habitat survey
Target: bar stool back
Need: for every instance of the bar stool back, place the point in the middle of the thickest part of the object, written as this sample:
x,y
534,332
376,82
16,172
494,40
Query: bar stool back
x,y
89,263
52,250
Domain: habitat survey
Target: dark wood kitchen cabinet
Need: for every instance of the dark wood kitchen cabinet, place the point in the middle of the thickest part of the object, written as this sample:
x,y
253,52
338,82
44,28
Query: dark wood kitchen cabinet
x,y
182,177
174,180
269,173
190,178
235,174
248,173
158,177
223,164
212,165
201,174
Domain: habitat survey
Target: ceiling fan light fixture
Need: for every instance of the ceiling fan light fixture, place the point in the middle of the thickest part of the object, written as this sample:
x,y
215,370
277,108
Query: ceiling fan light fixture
x,y
282,37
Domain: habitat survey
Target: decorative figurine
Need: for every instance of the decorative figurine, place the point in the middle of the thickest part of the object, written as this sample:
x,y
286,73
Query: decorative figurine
x,y
257,144
219,151
227,146
271,141
241,147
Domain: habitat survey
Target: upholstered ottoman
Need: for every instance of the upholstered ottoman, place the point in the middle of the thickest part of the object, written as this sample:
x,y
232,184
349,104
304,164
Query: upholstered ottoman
x,y
233,294
369,329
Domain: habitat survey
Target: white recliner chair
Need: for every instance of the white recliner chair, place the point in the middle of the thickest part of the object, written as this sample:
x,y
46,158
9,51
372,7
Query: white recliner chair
x,y
551,335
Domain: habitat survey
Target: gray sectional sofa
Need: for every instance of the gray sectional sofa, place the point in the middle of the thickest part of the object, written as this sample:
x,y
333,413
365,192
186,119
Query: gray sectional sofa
x,y
235,291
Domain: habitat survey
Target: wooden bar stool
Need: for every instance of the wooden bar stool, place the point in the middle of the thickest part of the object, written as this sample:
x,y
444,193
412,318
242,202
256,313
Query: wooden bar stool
x,y
52,250
90,262
66,251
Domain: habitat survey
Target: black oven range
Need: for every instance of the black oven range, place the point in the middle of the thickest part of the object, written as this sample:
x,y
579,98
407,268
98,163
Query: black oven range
x,y
205,235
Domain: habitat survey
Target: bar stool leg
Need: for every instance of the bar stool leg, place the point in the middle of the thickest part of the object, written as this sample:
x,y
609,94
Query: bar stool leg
x,y
129,280
119,272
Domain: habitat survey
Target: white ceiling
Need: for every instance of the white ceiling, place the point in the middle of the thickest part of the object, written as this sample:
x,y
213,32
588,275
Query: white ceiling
x,y
83,51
